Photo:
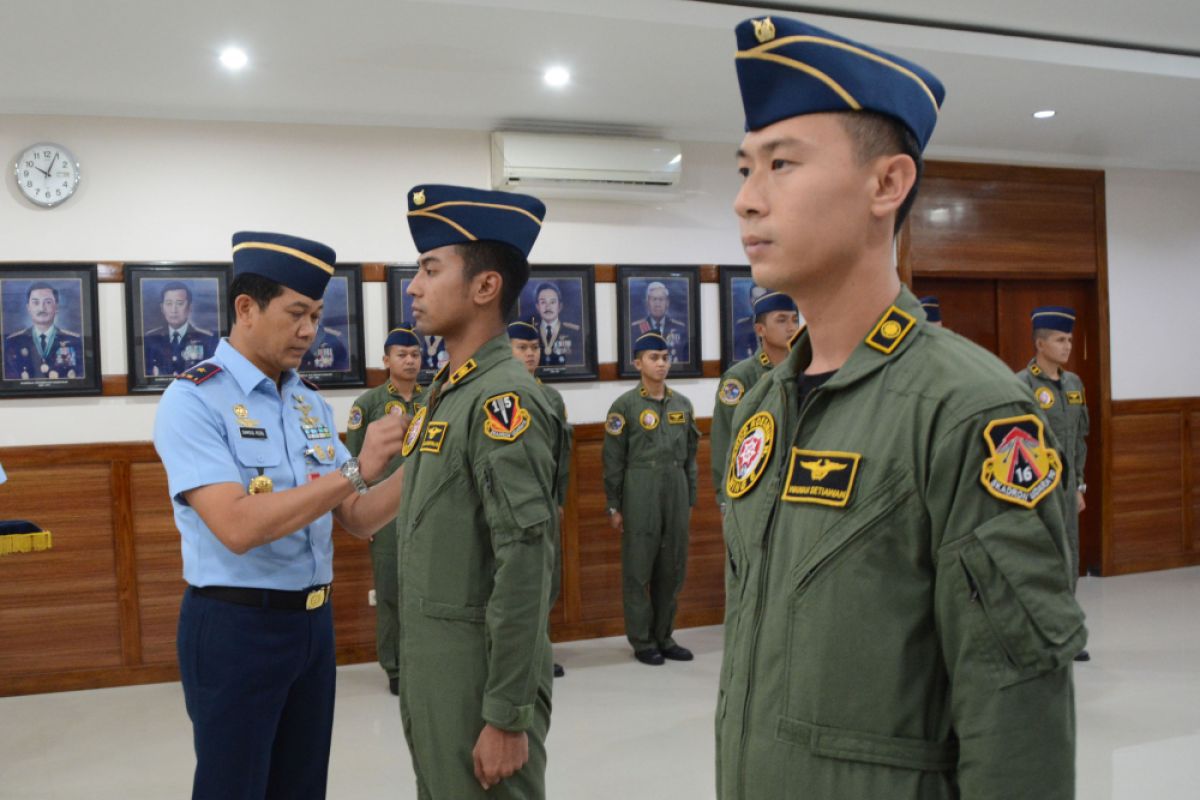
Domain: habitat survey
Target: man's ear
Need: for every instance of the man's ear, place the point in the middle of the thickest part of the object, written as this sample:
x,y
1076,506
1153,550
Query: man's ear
x,y
894,178
244,307
486,287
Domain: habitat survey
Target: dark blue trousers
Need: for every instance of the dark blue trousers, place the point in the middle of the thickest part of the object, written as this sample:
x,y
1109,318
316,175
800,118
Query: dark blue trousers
x,y
259,686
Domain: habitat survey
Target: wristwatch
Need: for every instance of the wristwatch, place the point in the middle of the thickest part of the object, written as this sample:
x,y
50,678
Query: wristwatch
x,y
611,511
1083,488
351,473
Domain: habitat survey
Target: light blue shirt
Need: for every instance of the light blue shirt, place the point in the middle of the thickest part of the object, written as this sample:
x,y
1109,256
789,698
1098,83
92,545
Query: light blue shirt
x,y
3,477
230,428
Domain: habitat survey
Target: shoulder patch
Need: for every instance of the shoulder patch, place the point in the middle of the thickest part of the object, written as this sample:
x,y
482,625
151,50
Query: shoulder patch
x,y
1021,469
732,392
648,419
356,418
1044,396
615,424
504,418
890,331
199,373
751,451
413,434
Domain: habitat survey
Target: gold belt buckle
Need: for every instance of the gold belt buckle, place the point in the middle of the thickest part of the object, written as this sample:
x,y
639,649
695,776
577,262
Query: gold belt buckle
x,y
316,599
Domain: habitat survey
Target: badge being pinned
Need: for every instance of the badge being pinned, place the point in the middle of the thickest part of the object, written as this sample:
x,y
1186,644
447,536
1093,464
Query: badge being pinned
x,y
413,435
1022,470
505,420
751,451
731,392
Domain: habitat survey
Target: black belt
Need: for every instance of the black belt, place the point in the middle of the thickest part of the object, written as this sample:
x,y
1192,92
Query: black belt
x,y
303,600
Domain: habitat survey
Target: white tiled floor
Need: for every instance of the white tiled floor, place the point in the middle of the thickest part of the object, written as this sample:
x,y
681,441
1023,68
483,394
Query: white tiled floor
x,y
622,730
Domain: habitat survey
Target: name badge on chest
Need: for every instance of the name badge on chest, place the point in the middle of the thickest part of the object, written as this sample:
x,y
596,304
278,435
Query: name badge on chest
x,y
823,477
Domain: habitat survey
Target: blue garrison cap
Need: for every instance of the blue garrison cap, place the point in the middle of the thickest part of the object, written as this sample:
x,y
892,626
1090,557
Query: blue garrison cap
x,y
1055,318
443,215
404,337
933,308
773,301
787,69
523,330
299,264
649,341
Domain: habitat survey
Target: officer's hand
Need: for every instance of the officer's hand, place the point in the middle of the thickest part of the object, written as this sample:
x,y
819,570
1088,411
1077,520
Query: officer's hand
x,y
617,521
1082,503
384,439
498,755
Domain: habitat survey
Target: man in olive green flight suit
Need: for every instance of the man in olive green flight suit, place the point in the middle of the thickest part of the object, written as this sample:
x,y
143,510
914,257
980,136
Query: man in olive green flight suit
x,y
478,516
1060,396
527,348
650,482
398,394
776,323
899,620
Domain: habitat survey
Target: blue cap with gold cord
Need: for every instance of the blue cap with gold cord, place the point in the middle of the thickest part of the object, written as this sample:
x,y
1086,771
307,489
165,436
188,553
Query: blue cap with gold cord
x,y
773,301
22,536
1054,318
404,337
441,215
649,341
520,329
300,264
787,68
933,308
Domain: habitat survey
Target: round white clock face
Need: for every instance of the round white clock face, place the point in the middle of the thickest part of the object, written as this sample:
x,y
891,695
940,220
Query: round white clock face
x,y
47,174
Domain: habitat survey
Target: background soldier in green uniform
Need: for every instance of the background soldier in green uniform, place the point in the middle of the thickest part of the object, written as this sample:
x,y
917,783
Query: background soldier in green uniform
x,y
933,310
478,516
398,394
1061,397
650,481
527,348
899,620
776,322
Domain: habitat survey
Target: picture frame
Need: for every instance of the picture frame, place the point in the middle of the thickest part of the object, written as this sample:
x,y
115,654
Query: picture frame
x,y
649,297
560,301
433,352
335,358
175,316
61,301
738,291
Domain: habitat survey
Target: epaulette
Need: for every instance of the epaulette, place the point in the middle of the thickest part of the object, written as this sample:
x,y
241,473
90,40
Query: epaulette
x,y
155,331
309,384
199,373
201,331
66,332
333,332
21,332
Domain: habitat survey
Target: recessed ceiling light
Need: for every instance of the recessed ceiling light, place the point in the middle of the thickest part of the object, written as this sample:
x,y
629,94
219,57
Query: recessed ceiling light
x,y
557,77
1046,114
233,58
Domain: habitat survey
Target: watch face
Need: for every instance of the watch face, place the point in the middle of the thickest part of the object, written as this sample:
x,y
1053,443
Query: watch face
x,y
47,174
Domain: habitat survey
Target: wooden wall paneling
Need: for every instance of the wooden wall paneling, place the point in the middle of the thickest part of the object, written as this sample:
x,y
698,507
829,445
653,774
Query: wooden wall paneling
x,y
993,219
1099,473
968,306
1147,489
159,562
126,562
353,616
1191,474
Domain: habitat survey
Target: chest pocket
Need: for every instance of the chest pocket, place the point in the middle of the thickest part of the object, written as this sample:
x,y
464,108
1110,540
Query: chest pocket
x,y
259,456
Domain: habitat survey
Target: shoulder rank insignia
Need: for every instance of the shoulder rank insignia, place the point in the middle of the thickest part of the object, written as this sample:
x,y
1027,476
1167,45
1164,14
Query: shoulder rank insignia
x,y
824,477
309,384
751,452
890,331
648,419
199,373
356,418
1044,396
615,424
1021,469
463,371
731,392
413,434
1035,369
504,419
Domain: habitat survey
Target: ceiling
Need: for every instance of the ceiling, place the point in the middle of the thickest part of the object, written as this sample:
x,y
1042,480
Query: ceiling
x,y
655,66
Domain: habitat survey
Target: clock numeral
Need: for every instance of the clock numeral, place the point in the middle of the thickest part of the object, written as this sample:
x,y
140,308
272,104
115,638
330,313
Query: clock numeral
x,y
58,192
64,184
28,184
29,163
47,154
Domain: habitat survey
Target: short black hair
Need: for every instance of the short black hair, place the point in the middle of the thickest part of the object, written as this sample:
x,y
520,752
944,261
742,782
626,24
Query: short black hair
x,y
175,286
261,290
876,135
479,257
543,286
40,285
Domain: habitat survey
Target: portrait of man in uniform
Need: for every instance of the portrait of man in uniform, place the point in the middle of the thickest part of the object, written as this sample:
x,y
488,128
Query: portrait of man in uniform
x,y
335,356
663,301
175,320
48,330
558,301
43,348
739,293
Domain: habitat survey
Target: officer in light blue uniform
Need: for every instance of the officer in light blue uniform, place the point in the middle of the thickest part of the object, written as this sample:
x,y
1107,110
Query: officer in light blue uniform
x,y
254,468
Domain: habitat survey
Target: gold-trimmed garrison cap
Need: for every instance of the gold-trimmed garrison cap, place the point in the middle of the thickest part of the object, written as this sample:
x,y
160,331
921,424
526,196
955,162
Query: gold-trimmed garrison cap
x,y
932,307
300,264
402,336
1054,318
650,341
787,68
773,301
520,329
440,215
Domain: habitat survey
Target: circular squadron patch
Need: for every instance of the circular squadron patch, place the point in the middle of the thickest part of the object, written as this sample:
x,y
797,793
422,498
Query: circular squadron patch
x,y
648,419
614,425
732,391
394,405
355,418
413,435
750,453
1044,396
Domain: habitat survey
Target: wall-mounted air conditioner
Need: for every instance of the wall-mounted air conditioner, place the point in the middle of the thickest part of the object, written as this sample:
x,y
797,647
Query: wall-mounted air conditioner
x,y
586,167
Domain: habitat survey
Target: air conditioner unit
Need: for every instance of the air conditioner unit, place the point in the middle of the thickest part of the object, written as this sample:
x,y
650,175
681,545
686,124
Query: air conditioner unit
x,y
586,167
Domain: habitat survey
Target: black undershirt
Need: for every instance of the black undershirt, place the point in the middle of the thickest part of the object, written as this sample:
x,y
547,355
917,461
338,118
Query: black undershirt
x,y
807,384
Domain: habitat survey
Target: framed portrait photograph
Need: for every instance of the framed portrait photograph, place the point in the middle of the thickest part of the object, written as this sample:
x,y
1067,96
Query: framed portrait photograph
x,y
433,351
665,300
49,330
336,355
559,301
175,316
738,293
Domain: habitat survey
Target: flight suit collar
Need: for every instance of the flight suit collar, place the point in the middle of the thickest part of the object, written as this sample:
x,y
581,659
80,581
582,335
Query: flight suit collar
x,y
391,389
668,394
248,376
893,333
495,351
1036,371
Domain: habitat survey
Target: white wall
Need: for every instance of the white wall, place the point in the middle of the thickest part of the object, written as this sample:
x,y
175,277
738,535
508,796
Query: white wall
x,y
1154,282
159,190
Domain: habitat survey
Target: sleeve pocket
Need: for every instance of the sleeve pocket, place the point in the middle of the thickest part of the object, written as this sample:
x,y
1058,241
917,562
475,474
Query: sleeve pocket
x,y
515,500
